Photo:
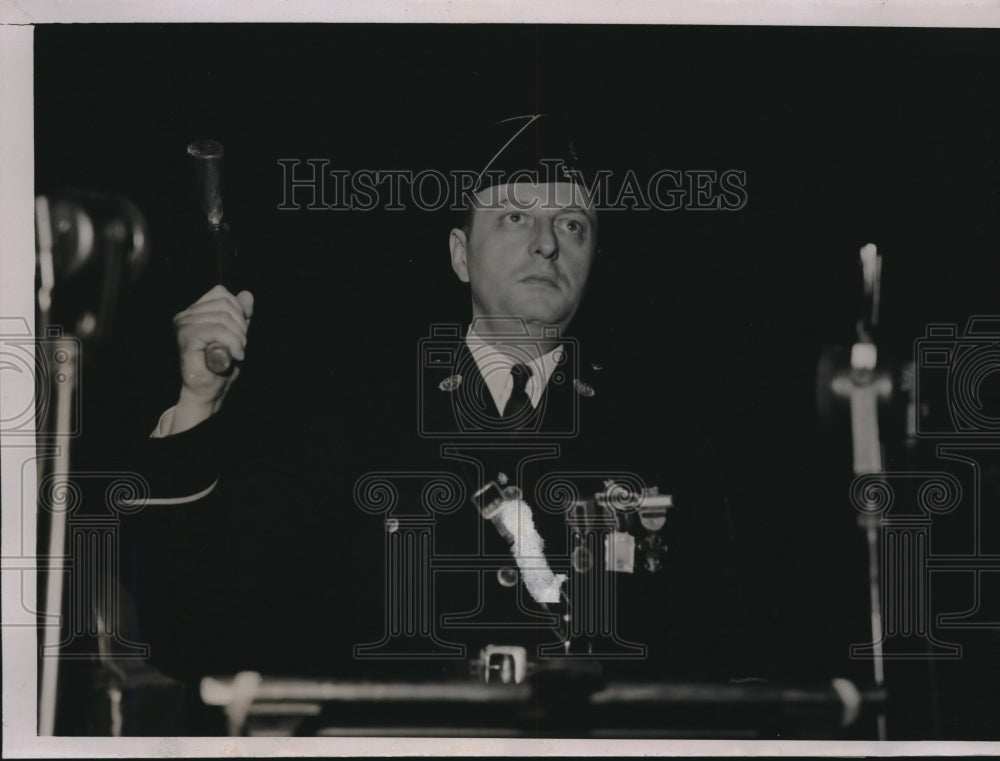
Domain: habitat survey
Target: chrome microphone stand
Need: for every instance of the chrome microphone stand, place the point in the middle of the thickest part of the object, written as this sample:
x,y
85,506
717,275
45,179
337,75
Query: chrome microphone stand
x,y
864,381
80,237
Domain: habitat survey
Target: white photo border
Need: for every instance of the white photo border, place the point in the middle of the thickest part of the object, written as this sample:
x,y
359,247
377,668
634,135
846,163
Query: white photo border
x,y
17,22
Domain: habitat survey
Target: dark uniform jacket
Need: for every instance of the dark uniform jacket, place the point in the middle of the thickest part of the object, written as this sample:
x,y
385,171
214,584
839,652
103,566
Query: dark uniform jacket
x,y
354,546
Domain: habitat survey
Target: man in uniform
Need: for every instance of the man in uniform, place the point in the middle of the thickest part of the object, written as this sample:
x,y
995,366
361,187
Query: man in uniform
x,y
509,493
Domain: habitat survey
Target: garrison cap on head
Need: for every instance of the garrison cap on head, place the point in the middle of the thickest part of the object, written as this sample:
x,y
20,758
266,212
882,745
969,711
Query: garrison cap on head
x,y
537,148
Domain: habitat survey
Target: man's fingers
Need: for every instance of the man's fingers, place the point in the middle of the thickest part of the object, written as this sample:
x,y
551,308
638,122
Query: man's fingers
x,y
219,292
198,336
246,300
217,318
243,301
191,317
212,307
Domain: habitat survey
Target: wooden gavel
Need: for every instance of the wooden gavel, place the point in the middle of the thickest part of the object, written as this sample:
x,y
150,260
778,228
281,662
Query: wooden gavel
x,y
208,167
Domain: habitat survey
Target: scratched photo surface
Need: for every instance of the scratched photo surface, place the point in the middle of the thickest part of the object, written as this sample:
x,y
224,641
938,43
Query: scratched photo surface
x,y
746,168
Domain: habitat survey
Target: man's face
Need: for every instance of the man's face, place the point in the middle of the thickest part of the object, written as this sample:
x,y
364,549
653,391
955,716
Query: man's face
x,y
528,252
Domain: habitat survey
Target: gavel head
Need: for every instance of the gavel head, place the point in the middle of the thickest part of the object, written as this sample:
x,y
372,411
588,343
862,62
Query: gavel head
x,y
208,155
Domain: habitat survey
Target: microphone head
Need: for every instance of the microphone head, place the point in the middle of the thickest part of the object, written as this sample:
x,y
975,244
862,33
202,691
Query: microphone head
x,y
84,225
90,247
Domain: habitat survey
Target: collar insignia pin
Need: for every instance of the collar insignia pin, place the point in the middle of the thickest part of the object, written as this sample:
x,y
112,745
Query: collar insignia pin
x,y
450,383
583,388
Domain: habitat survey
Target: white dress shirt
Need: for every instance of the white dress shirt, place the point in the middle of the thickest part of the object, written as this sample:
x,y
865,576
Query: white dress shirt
x,y
494,365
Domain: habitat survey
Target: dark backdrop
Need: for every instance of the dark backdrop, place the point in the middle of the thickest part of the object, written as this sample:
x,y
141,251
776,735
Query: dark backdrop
x,y
847,136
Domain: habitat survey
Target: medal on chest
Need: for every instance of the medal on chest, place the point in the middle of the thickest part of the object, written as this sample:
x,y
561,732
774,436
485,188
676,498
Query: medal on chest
x,y
642,514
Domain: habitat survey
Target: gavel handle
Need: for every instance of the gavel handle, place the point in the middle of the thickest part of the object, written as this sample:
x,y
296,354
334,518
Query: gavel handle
x,y
208,163
218,359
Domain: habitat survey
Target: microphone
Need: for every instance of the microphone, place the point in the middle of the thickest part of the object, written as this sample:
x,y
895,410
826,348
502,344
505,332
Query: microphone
x,y
98,244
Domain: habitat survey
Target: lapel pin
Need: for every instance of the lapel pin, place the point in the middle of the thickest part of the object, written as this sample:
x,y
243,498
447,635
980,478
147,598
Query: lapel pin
x,y
583,388
450,383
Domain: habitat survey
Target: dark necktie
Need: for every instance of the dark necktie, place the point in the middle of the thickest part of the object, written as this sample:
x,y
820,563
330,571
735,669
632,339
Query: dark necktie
x,y
518,396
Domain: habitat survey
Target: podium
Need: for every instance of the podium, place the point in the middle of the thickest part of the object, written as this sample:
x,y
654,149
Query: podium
x,y
559,703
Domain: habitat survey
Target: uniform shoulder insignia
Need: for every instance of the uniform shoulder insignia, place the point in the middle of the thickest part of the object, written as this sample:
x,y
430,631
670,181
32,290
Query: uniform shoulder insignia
x,y
450,383
583,388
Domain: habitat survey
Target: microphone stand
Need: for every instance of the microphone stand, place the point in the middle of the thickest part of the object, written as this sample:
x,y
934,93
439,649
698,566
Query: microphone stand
x,y
116,242
864,384
59,467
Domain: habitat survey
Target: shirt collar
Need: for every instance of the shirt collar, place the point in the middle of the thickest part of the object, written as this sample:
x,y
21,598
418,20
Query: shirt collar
x,y
494,365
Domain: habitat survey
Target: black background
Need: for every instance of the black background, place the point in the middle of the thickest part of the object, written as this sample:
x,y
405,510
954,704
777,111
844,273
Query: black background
x,y
847,136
